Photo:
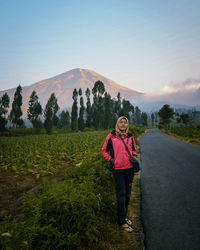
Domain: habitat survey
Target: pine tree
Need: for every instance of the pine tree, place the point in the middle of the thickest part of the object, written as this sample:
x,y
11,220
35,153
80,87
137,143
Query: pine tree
x,y
81,123
4,105
16,111
50,111
88,109
74,113
34,111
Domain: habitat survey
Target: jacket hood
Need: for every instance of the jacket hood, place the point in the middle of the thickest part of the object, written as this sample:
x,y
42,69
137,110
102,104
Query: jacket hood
x,y
117,130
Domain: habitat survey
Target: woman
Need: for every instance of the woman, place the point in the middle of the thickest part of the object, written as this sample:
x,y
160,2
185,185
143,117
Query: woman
x,y
114,151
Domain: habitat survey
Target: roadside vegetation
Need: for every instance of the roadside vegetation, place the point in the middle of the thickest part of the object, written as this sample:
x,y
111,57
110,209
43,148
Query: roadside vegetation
x,y
70,204
184,126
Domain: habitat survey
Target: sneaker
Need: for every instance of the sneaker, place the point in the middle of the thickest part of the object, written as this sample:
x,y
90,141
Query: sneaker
x,y
127,228
129,222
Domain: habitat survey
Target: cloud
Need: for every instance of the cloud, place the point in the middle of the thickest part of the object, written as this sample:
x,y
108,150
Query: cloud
x,y
183,92
189,84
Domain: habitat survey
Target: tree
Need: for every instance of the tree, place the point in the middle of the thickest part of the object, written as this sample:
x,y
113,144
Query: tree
x,y
16,111
4,105
126,108
97,107
64,119
81,123
144,119
156,117
132,119
74,113
137,116
50,111
165,114
34,111
152,118
118,104
107,111
184,118
88,109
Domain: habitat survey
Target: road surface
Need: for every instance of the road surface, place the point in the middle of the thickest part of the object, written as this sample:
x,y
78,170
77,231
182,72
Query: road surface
x,y
170,187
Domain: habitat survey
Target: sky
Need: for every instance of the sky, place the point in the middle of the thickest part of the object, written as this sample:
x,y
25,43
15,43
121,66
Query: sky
x,y
145,45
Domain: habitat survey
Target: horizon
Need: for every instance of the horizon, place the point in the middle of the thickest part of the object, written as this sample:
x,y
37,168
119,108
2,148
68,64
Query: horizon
x,y
147,46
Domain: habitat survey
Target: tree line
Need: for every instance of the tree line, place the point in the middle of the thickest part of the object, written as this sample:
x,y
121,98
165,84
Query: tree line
x,y
102,113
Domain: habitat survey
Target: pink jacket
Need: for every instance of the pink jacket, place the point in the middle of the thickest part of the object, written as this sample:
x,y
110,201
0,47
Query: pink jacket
x,y
113,147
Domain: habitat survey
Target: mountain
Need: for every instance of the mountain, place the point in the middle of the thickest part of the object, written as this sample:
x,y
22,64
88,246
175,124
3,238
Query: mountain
x,y
63,85
179,95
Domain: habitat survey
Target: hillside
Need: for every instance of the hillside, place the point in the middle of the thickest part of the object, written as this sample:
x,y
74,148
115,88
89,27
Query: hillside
x,y
63,85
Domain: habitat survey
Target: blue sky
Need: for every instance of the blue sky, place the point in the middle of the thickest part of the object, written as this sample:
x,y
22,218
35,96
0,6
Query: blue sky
x,y
143,45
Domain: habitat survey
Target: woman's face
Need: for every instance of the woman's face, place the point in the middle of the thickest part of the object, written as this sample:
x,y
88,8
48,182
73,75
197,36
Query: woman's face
x,y
123,124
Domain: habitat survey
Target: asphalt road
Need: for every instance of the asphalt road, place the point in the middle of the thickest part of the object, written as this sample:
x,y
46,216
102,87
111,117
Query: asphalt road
x,y
170,187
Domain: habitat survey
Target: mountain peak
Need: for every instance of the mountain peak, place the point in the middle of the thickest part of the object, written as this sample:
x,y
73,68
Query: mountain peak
x,y
64,84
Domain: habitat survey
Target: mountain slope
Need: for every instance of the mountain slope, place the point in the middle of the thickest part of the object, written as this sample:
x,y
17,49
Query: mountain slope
x,y
63,85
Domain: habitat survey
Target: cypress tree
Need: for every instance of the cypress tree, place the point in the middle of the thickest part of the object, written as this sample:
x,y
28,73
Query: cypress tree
x,y
16,111
88,109
152,118
126,108
118,104
137,116
132,120
4,105
64,119
144,119
107,111
50,111
34,111
81,124
74,113
98,91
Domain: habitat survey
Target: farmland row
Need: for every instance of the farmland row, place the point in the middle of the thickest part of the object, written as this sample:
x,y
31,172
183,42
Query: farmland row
x,y
40,155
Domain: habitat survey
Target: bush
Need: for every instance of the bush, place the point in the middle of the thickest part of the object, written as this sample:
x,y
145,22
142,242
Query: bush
x,y
67,214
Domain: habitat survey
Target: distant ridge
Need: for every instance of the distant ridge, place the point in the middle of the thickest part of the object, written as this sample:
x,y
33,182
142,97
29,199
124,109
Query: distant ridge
x,y
63,85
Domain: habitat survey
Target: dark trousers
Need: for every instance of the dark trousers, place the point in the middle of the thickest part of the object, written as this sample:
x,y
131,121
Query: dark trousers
x,y
123,184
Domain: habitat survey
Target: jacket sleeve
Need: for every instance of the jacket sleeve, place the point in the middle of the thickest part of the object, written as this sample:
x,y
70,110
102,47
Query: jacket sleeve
x,y
104,149
134,153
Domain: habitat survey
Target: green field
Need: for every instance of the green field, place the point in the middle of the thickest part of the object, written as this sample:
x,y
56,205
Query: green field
x,y
41,154
76,212
186,132
191,135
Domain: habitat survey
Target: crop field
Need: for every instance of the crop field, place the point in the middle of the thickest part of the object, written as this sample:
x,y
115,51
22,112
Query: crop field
x,y
75,212
40,155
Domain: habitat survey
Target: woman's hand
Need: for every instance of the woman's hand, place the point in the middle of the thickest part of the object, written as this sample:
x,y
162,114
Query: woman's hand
x,y
112,161
133,159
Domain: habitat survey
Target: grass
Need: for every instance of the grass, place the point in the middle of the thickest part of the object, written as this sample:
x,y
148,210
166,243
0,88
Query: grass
x,y
191,140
